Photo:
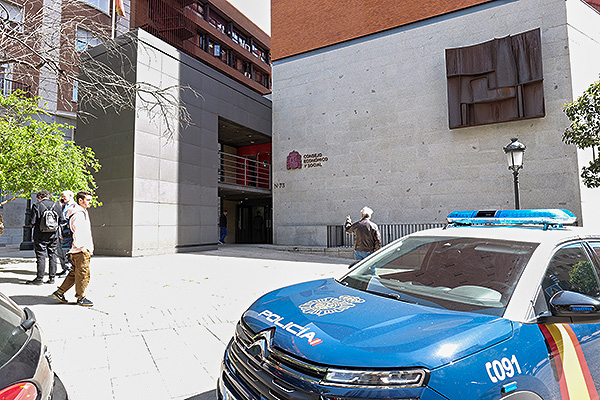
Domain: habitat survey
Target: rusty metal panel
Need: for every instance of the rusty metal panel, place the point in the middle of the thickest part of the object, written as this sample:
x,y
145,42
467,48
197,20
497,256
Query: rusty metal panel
x,y
496,81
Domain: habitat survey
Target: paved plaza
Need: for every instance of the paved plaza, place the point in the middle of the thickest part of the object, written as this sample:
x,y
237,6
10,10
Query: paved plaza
x,y
159,324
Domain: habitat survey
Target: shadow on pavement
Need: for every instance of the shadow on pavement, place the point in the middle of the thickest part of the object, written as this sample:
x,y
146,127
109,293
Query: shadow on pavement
x,y
18,271
266,253
17,281
33,300
212,395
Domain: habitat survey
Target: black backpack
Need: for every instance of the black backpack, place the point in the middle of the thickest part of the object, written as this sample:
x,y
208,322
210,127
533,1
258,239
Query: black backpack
x,y
49,220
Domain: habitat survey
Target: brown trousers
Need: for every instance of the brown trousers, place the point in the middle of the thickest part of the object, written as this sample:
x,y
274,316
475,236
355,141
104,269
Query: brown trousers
x,y
79,274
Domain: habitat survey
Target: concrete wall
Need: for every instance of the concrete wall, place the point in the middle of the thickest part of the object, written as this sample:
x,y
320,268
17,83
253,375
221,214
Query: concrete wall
x,y
111,136
376,108
160,191
584,49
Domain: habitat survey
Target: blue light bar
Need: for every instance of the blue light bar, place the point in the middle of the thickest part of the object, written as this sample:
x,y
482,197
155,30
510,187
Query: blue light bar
x,y
546,217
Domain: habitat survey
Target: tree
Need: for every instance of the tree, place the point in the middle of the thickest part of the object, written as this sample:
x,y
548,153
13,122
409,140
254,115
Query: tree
x,y
584,130
34,154
47,47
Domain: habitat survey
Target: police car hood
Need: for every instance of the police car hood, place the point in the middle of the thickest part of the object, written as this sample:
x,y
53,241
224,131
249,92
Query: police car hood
x,y
328,323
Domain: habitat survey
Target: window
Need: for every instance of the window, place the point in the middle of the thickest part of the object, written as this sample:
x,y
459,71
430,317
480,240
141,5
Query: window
x,y
7,84
102,5
3,80
260,53
12,13
596,249
198,8
239,38
455,273
75,91
224,53
213,48
217,21
199,40
85,39
261,78
241,65
571,269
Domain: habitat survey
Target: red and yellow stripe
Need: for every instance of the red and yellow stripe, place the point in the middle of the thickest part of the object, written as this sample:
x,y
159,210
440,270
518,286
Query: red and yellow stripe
x,y
575,380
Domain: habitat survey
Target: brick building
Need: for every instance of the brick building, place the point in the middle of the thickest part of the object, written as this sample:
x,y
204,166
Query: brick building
x,y
212,31
54,29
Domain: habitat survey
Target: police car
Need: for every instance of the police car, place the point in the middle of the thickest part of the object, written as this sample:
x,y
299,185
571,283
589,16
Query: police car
x,y
496,305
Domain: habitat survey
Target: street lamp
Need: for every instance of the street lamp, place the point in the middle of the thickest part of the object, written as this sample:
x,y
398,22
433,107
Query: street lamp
x,y
514,156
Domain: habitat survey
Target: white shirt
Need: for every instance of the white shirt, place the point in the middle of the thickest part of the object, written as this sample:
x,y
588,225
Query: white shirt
x,y
82,230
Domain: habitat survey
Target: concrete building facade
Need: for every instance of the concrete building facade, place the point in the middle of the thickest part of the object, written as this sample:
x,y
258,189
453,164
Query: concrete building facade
x,y
363,118
161,193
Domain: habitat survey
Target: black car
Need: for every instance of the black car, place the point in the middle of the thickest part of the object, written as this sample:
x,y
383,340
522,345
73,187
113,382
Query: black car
x,y
25,370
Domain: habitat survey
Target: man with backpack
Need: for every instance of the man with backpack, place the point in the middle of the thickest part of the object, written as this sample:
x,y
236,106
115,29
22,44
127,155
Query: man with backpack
x,y
46,217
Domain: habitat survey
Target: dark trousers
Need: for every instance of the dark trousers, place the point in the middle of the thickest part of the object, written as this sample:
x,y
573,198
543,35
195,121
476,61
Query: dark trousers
x,y
43,249
64,258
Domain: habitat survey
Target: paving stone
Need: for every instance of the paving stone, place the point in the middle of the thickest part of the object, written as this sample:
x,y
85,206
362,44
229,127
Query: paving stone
x,y
160,324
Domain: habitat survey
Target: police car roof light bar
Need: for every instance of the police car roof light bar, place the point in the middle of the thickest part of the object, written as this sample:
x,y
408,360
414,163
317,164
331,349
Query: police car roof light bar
x,y
549,218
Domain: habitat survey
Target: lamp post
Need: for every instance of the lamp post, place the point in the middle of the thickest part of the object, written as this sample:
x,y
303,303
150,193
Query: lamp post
x,y
514,156
27,243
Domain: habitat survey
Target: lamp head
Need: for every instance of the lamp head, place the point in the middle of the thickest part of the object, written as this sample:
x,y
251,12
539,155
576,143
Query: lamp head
x,y
514,154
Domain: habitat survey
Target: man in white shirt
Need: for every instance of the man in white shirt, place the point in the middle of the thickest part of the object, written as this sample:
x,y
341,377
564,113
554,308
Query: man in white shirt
x,y
81,251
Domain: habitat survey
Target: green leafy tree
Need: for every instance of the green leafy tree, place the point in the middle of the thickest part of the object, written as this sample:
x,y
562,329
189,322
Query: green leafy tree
x,y
584,131
34,154
583,278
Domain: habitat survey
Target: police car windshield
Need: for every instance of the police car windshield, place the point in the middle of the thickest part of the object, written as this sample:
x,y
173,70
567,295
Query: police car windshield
x,y
455,273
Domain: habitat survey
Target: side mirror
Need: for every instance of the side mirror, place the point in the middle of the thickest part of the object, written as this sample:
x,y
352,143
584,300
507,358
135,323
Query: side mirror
x,y
577,306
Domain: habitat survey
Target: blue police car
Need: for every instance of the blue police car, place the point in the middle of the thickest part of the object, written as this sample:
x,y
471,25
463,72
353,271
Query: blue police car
x,y
496,305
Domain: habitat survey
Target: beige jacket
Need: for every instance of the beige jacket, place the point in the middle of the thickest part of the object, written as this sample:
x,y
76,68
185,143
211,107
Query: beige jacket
x,y
81,227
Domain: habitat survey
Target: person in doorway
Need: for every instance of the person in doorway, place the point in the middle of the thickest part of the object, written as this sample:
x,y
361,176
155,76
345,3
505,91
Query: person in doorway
x,y
66,236
46,217
223,227
257,225
367,238
81,251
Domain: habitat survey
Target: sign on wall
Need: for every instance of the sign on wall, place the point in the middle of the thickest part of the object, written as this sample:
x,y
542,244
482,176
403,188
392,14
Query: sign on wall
x,y
313,160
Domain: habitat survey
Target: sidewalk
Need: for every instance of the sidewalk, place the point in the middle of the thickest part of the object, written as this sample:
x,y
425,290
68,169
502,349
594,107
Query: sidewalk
x,y
159,324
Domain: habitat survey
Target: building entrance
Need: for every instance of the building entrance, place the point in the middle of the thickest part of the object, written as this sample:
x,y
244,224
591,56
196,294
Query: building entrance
x,y
254,223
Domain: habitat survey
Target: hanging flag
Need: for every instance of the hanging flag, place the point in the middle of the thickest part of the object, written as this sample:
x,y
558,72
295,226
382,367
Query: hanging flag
x,y
119,7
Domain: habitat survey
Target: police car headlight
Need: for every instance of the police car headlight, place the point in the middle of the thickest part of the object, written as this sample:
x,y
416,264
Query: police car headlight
x,y
401,378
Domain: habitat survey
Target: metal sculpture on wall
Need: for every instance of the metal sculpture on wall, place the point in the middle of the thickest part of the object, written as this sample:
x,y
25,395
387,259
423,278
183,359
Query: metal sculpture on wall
x,y
496,81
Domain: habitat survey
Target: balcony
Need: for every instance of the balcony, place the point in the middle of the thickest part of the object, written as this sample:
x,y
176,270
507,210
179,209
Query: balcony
x,y
172,24
244,174
8,87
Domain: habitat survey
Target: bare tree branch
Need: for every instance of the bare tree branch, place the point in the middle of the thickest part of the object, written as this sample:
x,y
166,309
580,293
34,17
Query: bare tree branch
x,y
47,48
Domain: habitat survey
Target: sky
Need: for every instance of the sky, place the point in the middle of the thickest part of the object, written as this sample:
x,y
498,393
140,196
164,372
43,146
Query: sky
x,y
258,11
